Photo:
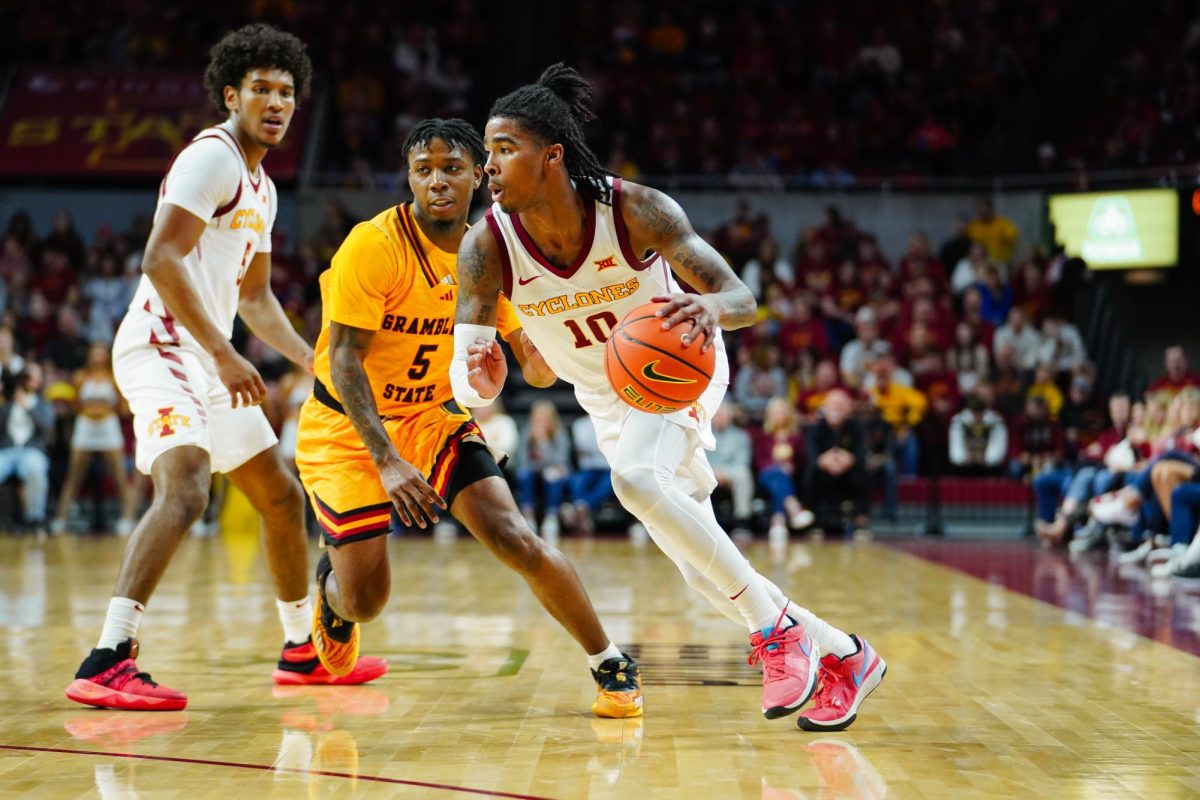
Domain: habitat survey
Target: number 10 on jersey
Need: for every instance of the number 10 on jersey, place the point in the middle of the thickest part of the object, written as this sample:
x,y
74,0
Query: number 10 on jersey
x,y
600,325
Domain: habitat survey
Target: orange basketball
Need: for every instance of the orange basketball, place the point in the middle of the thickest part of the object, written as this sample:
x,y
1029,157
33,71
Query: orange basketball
x,y
650,369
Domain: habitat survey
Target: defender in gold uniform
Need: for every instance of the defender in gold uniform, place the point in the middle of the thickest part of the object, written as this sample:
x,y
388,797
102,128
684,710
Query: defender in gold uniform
x,y
382,428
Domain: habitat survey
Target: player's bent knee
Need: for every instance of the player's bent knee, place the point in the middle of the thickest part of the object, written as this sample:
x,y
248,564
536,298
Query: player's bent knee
x,y
637,488
289,499
516,545
186,497
363,605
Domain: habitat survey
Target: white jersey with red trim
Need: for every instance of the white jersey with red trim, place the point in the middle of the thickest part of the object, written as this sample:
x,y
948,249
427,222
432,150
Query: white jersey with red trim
x,y
210,179
569,313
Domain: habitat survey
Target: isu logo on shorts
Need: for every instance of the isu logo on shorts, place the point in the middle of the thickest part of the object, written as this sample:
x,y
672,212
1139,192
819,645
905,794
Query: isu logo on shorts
x,y
168,423
696,412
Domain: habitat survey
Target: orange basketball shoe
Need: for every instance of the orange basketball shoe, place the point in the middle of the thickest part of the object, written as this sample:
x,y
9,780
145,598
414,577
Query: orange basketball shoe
x,y
109,678
299,666
618,689
334,639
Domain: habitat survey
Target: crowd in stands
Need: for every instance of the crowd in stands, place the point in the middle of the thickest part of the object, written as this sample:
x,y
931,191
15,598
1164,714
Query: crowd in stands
x,y
829,91
851,377
1148,112
1137,484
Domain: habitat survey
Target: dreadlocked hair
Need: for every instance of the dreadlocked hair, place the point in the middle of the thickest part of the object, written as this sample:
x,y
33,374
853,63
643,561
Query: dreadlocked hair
x,y
254,47
454,132
555,109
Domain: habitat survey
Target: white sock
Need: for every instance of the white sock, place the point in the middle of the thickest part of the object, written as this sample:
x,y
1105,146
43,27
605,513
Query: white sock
x,y
604,655
296,616
121,622
827,637
756,606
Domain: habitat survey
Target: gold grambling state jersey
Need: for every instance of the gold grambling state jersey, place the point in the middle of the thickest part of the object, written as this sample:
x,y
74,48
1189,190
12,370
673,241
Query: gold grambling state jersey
x,y
570,313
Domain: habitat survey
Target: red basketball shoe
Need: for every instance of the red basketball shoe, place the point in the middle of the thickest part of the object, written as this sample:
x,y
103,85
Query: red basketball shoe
x,y
789,663
845,683
110,679
299,666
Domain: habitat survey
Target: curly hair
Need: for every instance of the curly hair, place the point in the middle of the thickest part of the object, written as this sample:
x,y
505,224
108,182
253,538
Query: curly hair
x,y
454,132
555,109
254,47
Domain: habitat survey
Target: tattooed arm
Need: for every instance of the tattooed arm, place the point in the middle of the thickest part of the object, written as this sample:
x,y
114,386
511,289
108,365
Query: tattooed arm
x,y
656,222
415,500
478,370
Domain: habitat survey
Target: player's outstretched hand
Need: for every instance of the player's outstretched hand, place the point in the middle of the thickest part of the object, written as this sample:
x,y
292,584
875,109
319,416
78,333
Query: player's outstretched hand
x,y
700,310
414,499
486,367
245,385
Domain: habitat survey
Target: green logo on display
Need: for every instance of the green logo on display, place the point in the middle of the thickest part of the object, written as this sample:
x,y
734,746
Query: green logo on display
x,y
1112,232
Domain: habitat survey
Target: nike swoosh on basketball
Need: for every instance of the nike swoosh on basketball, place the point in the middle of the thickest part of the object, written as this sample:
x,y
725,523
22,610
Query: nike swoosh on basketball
x,y
653,374
523,281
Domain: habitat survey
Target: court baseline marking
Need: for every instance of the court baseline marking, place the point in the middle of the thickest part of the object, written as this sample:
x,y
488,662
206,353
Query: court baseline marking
x,y
269,768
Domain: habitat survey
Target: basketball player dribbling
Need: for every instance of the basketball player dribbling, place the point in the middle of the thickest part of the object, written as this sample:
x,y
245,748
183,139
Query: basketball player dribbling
x,y
382,430
575,249
195,400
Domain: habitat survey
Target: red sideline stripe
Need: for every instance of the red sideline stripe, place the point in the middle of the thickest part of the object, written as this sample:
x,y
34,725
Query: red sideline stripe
x,y
269,768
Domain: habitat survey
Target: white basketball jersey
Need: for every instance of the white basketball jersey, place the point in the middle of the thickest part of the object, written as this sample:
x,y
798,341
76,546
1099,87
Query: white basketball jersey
x,y
569,313
208,178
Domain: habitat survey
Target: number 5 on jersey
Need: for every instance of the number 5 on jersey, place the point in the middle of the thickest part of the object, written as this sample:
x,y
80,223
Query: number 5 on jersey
x,y
421,362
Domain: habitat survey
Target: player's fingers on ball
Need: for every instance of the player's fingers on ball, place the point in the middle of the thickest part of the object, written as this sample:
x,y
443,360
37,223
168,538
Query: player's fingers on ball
x,y
669,302
678,317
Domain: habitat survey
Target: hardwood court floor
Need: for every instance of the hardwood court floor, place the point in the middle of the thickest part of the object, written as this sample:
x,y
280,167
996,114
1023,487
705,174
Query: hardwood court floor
x,y
989,693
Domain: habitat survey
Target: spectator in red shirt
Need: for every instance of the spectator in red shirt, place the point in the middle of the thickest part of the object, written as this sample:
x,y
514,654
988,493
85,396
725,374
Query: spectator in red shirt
x,y
920,262
931,376
802,332
1177,377
1036,443
972,314
1032,293
874,271
814,273
56,279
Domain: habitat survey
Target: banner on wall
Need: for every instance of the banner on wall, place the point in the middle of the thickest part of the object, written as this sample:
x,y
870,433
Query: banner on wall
x,y
114,124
